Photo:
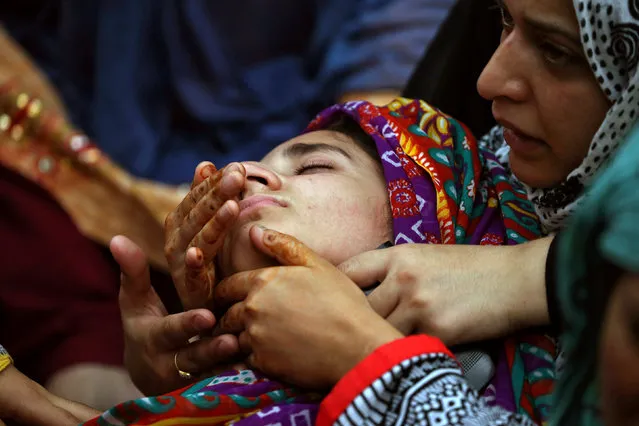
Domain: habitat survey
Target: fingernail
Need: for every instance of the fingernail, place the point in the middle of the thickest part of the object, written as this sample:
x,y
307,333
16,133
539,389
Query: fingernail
x,y
205,172
225,212
197,256
233,167
259,231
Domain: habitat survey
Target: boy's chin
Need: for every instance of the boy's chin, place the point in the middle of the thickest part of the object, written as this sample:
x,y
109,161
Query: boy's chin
x,y
245,257
239,254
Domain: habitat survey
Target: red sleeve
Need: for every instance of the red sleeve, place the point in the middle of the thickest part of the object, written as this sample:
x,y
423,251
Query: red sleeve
x,y
371,368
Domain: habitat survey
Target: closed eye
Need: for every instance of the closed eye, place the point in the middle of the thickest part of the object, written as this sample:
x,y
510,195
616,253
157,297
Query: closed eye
x,y
313,167
555,54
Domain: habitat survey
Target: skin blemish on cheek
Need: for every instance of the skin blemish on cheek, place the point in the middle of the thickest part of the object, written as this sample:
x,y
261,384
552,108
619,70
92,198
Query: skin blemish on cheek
x,y
352,208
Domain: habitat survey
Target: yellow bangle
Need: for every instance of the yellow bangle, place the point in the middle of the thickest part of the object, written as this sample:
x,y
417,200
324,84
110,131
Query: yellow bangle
x,y
5,359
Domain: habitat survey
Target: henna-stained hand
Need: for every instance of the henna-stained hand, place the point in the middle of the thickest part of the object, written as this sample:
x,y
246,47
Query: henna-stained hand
x,y
304,322
195,231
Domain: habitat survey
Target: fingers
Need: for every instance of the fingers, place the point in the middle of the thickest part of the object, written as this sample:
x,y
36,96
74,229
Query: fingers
x,y
225,183
233,321
199,280
193,230
199,284
135,283
205,354
132,261
213,206
236,288
202,220
402,320
193,197
244,341
173,331
367,268
287,250
212,235
384,300
203,171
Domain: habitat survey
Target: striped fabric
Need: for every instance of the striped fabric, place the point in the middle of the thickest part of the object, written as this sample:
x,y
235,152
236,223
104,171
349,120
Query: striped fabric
x,y
411,381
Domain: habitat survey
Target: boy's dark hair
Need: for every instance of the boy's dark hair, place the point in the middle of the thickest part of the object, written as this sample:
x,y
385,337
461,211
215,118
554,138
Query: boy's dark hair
x,y
349,127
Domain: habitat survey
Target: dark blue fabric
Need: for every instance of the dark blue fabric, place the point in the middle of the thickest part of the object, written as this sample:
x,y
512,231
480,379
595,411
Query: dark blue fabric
x,y
163,84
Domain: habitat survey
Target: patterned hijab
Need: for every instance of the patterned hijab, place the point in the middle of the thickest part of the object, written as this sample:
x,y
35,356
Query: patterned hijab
x,y
444,189
441,189
610,37
603,233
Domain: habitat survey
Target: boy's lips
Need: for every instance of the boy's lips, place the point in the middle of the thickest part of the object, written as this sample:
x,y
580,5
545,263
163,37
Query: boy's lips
x,y
255,202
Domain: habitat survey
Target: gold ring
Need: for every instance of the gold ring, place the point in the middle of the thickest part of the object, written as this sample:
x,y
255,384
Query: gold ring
x,y
183,374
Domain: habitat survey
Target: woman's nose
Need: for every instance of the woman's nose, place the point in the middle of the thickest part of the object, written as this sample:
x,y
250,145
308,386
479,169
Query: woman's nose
x,y
505,75
260,177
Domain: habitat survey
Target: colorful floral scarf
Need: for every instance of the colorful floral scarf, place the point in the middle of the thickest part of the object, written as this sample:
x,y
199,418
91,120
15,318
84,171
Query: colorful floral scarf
x,y
442,190
239,397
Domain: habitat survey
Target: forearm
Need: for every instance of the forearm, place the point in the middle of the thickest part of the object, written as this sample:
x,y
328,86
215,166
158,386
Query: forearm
x,y
526,272
26,402
79,411
391,385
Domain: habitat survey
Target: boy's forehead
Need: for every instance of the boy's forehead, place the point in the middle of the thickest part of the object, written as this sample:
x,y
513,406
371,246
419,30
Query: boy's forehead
x,y
327,137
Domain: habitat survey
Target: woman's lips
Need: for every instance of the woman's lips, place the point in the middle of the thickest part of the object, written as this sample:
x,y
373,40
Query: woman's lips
x,y
256,202
521,143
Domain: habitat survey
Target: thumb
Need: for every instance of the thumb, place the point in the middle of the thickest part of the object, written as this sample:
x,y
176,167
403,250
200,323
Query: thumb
x,y
287,250
367,268
135,280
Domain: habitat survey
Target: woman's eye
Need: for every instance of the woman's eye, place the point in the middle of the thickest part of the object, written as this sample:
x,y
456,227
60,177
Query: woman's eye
x,y
555,55
506,19
312,168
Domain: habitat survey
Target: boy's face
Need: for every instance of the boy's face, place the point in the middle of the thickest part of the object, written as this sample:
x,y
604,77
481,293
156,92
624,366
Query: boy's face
x,y
321,188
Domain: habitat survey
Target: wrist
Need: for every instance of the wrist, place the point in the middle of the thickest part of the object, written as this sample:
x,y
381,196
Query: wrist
x,y
529,307
363,338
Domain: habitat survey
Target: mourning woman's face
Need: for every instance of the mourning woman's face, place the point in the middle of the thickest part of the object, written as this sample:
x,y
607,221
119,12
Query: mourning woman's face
x,y
543,90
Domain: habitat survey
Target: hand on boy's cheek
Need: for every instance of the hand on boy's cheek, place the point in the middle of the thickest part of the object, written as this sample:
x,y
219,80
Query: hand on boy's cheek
x,y
304,322
196,229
